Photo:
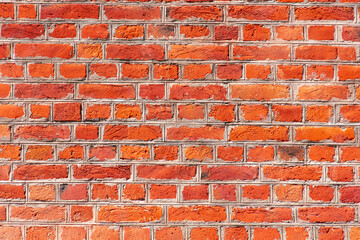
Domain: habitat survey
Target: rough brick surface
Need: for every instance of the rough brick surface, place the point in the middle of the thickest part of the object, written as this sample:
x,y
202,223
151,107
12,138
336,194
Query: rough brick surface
x,y
179,120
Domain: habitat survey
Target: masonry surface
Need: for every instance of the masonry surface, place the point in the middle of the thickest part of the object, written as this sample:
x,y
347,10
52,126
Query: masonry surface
x,y
179,120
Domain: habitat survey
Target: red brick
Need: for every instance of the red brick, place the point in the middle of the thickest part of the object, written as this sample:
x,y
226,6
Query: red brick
x,y
255,192
10,152
71,152
199,233
321,153
166,172
5,90
235,233
152,91
260,92
166,72
39,152
104,232
100,172
185,92
196,192
37,172
341,173
197,71
318,113
266,233
48,233
197,213
7,10
276,133
134,152
42,132
207,13
147,13
254,112
63,31
326,214
193,31
73,192
48,213
158,112
261,53
162,191
230,153
70,11
323,92
134,192
224,192
103,70
297,233
204,52
229,72
12,191
27,11
195,133
165,233
136,233
169,153
161,31
264,12
287,113
29,31
289,33
226,32
122,132
316,52
321,32
321,193
129,32
43,50
125,111
318,134
331,233
290,72
73,233
135,52
98,111
256,33
11,111
324,13
41,70
289,193
67,112
229,172
260,154
104,192
348,72
112,91
303,173
262,72
95,31
260,215
320,72
92,51
129,214
11,232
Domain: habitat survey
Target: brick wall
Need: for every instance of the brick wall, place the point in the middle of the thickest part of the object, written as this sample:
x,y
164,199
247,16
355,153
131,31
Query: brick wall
x,y
177,120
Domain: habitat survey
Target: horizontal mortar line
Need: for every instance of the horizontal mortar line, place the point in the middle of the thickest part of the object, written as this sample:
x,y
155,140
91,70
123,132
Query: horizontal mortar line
x,y
215,143
182,124
184,224
183,41
183,61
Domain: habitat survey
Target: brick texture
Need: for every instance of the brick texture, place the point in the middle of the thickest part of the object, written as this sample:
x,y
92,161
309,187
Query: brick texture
x,y
179,120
